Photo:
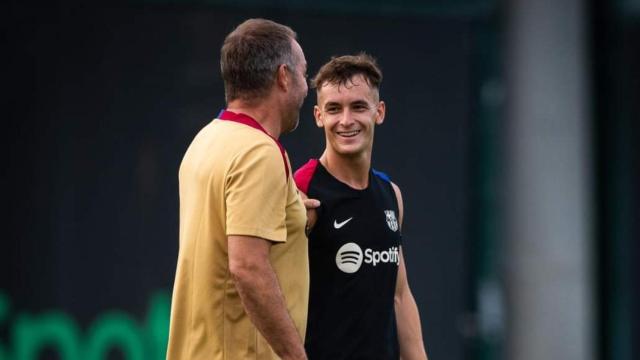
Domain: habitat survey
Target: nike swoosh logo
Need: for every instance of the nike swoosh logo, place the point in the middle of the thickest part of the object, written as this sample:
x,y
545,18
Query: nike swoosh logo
x,y
338,225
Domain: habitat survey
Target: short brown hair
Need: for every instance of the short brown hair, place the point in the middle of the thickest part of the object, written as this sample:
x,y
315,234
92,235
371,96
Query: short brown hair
x,y
251,55
340,70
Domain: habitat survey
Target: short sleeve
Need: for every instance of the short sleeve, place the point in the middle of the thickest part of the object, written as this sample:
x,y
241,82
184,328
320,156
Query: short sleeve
x,y
256,193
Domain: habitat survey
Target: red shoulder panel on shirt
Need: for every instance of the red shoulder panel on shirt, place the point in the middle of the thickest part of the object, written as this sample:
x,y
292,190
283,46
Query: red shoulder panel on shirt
x,y
304,174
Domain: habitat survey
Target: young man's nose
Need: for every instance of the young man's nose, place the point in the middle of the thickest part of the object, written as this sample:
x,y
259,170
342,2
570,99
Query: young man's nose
x,y
346,118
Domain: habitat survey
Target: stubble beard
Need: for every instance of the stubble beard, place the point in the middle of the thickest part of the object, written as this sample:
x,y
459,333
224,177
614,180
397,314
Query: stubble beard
x,y
295,117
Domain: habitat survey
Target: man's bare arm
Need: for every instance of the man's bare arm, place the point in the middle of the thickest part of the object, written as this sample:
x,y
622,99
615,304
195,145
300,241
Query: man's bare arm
x,y
261,295
408,319
407,315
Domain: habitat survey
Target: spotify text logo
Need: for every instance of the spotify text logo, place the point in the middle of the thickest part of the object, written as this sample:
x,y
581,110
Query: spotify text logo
x,y
349,257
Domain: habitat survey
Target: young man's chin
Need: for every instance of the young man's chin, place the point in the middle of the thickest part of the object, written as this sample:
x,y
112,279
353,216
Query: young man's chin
x,y
348,152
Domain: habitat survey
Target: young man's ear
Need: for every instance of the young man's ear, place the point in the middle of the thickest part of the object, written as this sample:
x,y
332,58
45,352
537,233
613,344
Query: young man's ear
x,y
380,112
318,116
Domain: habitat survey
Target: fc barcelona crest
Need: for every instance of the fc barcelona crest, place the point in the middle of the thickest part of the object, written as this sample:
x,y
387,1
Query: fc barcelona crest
x,y
391,220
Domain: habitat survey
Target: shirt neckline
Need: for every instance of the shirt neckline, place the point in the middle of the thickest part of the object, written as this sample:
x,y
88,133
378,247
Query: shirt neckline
x,y
251,122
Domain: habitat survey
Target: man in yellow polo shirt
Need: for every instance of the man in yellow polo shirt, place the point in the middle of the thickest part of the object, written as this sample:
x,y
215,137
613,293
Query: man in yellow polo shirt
x,y
242,279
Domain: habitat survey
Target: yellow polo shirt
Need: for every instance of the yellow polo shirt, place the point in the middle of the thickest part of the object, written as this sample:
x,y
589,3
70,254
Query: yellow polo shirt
x,y
233,182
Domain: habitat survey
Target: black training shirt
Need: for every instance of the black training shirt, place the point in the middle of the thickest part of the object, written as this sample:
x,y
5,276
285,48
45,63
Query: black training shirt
x,y
354,254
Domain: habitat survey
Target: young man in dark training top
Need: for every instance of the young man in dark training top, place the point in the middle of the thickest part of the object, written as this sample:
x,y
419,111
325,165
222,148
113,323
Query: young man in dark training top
x,y
360,304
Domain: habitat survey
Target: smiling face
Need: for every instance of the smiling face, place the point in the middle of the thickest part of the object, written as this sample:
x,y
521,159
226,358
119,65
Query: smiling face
x,y
349,112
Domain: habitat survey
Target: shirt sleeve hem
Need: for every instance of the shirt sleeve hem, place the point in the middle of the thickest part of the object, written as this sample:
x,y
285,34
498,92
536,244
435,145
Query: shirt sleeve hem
x,y
276,236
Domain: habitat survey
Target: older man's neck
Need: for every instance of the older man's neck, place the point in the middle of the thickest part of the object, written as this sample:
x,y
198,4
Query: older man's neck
x,y
263,111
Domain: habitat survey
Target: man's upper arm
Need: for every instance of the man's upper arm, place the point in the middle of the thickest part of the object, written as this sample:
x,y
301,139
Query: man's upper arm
x,y
401,282
255,194
247,252
396,189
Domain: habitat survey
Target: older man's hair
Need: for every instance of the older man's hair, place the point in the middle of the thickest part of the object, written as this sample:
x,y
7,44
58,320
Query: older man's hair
x,y
251,55
340,71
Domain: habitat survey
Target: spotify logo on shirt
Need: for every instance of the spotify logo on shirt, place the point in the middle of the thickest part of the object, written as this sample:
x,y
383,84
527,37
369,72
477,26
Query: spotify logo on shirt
x,y
349,257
